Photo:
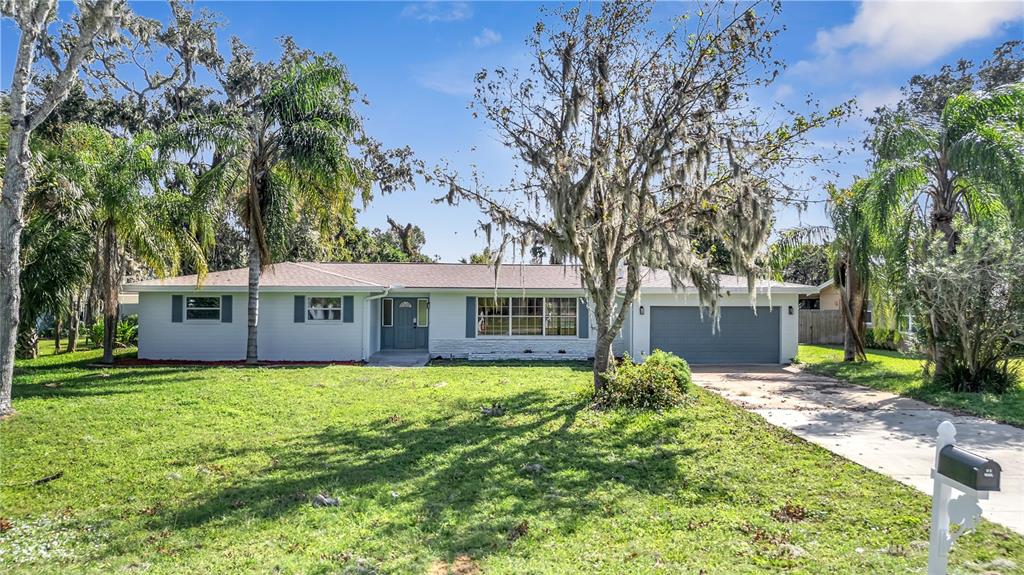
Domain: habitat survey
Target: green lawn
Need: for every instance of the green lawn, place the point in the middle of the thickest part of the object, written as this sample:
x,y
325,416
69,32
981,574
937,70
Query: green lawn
x,y
213,471
892,371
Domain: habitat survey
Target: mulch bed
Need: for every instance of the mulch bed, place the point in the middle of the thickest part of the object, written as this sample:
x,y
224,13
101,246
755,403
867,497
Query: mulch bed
x,y
136,362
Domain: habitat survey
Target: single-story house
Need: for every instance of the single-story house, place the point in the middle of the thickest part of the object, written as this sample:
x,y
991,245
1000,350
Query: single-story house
x,y
825,296
351,311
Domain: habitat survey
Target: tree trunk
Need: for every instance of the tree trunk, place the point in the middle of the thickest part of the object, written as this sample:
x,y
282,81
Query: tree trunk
x,y
851,295
110,288
28,343
73,324
603,358
251,353
56,334
11,208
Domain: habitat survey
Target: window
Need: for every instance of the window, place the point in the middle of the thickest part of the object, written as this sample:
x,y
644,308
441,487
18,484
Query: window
x,y
526,316
200,308
323,308
560,316
387,312
422,312
492,316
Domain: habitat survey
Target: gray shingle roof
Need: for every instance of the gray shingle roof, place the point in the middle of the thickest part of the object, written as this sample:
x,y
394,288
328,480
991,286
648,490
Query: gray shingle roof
x,y
416,276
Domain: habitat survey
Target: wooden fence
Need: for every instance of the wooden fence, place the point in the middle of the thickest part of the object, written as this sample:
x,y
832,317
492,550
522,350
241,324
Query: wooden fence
x,y
821,326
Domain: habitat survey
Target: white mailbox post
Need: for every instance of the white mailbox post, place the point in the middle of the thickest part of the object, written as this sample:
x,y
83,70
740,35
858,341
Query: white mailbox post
x,y
973,476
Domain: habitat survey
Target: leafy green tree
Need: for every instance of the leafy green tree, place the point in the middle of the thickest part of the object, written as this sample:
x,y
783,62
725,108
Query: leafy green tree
x,y
636,137
292,126
976,297
487,256
56,245
132,217
967,165
73,47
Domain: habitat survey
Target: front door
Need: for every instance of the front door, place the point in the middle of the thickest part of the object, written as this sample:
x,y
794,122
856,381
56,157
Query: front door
x,y
405,323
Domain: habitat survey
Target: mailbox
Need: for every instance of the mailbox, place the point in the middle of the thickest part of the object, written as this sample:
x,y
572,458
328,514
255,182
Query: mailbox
x,y
966,468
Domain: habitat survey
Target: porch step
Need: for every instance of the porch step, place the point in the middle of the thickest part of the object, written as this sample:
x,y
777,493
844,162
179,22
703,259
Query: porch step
x,y
399,359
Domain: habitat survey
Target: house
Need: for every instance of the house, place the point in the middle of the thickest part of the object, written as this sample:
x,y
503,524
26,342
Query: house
x,y
351,311
825,296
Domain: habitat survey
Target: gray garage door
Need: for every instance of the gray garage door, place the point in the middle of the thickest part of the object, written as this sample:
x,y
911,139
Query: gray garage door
x,y
742,337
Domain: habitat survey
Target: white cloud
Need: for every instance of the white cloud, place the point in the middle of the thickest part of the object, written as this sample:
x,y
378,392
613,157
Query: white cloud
x,y
453,77
903,33
873,98
432,11
486,37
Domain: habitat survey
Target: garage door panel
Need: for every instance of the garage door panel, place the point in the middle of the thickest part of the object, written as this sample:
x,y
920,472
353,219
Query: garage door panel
x,y
742,337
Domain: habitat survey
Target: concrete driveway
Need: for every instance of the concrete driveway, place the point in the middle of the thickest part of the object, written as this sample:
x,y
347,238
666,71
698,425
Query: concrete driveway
x,y
879,430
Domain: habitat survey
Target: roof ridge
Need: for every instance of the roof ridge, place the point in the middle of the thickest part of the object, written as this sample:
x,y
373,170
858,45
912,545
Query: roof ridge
x,y
337,274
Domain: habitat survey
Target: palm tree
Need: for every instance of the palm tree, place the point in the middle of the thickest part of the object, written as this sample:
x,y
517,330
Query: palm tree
x,y
293,126
851,251
55,244
132,215
968,163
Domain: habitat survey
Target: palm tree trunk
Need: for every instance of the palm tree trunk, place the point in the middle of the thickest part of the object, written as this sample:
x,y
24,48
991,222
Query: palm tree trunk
x,y
251,353
28,342
73,323
56,334
110,287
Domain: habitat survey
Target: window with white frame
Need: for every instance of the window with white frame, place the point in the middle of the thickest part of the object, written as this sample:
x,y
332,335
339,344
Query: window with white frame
x,y
492,316
202,308
387,312
560,316
422,312
323,308
526,316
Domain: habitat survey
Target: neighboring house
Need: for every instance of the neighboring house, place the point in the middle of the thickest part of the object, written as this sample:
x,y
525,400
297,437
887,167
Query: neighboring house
x,y
351,311
127,304
825,296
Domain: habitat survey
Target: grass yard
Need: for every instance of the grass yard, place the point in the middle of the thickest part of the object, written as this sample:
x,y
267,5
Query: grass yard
x,y
892,371
170,470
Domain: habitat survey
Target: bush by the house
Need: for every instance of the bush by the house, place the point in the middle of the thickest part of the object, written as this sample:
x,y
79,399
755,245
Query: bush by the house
x,y
126,334
971,306
881,338
660,382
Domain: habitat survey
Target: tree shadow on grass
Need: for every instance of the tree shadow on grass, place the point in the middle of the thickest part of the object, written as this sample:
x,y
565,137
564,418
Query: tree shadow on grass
x,y
59,385
457,483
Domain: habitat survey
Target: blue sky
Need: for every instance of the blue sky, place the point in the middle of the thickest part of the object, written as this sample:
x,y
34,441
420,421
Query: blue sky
x,y
415,63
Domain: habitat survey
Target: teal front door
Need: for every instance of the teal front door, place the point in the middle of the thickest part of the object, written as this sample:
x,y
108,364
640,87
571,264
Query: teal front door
x,y
404,331
405,323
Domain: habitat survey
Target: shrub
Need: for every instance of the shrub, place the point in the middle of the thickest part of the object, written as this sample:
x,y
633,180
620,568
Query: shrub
x,y
971,306
881,338
660,382
126,334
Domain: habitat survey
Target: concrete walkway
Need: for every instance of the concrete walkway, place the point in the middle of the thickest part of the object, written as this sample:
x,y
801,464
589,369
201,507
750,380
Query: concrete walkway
x,y
879,430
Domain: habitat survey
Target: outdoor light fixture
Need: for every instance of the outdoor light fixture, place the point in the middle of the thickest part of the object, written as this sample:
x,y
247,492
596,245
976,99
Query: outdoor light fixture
x,y
790,310
641,310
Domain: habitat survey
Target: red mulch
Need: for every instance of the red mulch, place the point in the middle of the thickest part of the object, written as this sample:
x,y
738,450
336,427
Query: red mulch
x,y
136,362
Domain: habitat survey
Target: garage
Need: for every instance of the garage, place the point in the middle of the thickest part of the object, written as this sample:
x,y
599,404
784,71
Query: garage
x,y
742,337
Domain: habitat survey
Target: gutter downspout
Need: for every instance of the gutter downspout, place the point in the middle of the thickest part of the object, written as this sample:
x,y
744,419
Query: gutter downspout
x,y
366,307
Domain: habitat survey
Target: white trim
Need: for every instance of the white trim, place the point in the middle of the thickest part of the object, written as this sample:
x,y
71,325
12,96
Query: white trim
x,y
543,316
340,308
390,301
418,300
220,311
